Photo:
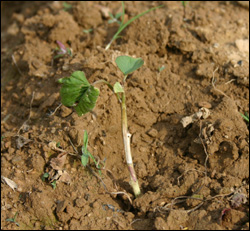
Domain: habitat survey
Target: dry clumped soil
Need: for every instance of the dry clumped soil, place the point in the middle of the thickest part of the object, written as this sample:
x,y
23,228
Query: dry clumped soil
x,y
192,177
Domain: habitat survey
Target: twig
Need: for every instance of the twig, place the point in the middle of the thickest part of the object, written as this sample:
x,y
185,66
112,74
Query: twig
x,y
196,207
213,82
124,194
33,94
91,170
14,61
186,172
188,197
205,150
73,146
135,221
55,109
230,81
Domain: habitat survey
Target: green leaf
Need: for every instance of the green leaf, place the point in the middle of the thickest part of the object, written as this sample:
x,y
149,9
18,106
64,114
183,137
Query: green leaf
x,y
197,196
76,89
85,140
54,184
161,68
128,64
184,3
45,175
118,15
246,116
84,158
93,158
87,30
87,101
111,15
118,88
66,6
85,153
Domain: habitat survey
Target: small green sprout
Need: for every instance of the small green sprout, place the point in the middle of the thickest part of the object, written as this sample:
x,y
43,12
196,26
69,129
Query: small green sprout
x,y
161,68
77,92
86,154
54,184
62,51
44,176
115,18
246,116
124,25
87,31
184,4
66,6
13,219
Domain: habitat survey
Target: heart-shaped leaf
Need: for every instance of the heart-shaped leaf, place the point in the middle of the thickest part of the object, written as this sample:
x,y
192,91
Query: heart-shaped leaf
x,y
77,90
118,88
128,64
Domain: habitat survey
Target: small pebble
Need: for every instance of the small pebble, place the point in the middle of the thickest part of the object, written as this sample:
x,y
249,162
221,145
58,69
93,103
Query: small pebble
x,y
152,132
205,104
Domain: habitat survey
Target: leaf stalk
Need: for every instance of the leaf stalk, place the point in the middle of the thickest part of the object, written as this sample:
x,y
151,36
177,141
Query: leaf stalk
x,y
126,140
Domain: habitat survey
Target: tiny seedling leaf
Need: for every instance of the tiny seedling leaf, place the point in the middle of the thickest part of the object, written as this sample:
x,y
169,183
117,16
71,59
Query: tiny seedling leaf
x,y
85,153
184,3
66,6
161,68
197,196
45,175
13,219
128,64
111,15
84,159
118,88
54,184
85,140
77,90
118,15
246,117
87,31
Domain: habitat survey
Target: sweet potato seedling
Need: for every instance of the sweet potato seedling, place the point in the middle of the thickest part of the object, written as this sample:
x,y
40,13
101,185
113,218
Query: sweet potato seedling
x,y
124,25
184,4
76,91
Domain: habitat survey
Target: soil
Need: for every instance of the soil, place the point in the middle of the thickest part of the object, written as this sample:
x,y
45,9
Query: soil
x,y
192,177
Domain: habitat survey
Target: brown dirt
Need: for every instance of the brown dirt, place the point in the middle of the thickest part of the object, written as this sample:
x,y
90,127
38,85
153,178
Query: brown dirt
x,y
207,168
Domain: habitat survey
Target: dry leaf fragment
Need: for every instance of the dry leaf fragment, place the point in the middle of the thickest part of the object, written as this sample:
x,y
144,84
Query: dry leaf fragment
x,y
65,177
206,134
52,145
104,11
9,182
238,199
21,141
58,162
203,113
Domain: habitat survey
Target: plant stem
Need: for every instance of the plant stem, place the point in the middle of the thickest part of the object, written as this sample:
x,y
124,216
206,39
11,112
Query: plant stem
x,y
126,140
103,81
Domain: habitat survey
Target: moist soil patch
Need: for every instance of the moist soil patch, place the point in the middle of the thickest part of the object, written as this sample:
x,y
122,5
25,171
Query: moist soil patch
x,y
192,177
